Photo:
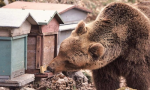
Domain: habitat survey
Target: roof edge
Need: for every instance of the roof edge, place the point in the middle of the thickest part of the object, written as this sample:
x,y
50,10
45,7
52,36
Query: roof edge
x,y
76,7
83,9
32,21
57,16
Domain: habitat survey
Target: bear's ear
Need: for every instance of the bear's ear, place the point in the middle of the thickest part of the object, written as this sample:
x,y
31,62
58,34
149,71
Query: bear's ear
x,y
80,29
96,50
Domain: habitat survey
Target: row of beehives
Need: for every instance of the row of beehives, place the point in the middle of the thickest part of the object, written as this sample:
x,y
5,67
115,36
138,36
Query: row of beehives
x,y
28,40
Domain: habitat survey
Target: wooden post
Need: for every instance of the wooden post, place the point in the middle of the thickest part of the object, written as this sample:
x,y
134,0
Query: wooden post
x,y
55,44
38,52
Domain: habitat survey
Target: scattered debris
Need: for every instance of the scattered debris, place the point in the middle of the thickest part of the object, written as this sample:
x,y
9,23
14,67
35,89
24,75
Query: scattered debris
x,y
126,88
80,80
76,81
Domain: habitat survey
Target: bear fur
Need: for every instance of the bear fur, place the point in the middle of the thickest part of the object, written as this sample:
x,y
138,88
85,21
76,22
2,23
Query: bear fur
x,y
116,44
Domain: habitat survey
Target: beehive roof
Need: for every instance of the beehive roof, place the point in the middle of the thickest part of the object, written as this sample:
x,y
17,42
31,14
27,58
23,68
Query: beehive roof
x,y
43,17
14,17
61,8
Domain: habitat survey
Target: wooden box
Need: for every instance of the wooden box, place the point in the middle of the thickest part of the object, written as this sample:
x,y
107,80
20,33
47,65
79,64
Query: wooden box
x,y
13,56
14,26
42,44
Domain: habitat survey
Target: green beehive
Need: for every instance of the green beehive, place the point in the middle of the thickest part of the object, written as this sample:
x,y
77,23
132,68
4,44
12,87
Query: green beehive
x,y
13,56
14,27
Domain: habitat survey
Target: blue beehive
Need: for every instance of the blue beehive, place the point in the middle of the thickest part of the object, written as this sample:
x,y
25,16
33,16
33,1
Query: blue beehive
x,y
14,27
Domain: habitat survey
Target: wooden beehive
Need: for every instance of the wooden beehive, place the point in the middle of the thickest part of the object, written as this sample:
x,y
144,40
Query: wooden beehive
x,y
13,56
70,14
14,27
42,40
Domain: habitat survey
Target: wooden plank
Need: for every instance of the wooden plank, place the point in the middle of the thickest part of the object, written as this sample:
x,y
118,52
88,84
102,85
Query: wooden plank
x,y
55,45
44,75
31,55
32,71
48,49
25,53
4,32
17,37
17,54
43,40
5,57
9,84
38,52
4,76
19,81
49,33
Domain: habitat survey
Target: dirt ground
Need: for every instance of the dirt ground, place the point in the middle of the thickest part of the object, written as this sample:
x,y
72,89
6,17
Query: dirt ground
x,y
61,82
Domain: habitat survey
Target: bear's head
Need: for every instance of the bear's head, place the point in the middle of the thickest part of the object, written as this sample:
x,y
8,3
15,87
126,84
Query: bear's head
x,y
117,29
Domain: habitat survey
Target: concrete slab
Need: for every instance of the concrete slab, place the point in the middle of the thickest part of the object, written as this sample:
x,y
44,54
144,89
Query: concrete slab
x,y
18,81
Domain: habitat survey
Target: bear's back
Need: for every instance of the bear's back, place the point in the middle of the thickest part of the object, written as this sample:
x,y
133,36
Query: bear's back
x,y
144,7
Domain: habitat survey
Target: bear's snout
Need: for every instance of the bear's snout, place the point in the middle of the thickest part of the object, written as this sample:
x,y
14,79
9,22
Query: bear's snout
x,y
50,69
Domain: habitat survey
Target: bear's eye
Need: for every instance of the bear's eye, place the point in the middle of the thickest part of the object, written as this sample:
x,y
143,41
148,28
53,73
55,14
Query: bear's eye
x,y
106,21
69,64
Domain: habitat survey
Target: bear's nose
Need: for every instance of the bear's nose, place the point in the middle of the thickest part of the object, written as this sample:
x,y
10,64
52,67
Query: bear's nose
x,y
50,69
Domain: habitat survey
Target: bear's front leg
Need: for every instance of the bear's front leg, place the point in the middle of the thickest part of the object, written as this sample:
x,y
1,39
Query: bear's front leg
x,y
106,78
138,78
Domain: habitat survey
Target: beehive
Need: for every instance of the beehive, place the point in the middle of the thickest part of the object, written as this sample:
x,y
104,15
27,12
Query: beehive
x,y
14,27
70,14
42,40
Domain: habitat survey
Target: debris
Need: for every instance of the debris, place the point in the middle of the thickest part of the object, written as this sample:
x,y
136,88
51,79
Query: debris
x,y
126,88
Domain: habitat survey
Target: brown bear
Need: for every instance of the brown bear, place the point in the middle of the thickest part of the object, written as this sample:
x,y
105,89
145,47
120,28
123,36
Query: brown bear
x,y
116,44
